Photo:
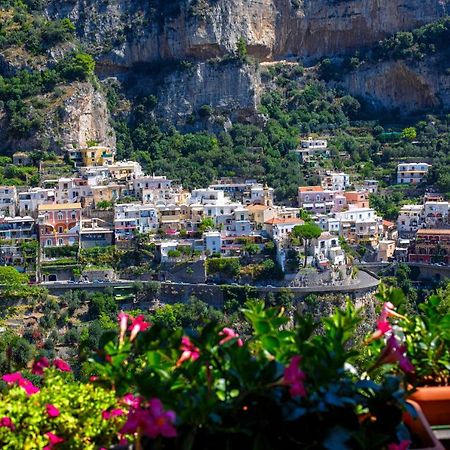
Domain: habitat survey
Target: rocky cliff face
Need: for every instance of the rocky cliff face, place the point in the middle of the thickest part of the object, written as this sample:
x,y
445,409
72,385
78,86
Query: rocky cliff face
x,y
130,31
406,86
231,89
74,116
84,117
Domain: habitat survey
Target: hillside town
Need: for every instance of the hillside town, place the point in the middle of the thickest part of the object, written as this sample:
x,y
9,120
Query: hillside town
x,y
108,203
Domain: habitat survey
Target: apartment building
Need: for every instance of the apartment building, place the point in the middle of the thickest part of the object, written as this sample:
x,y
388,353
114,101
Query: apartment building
x,y
31,199
59,225
431,246
335,181
316,200
360,226
327,250
73,190
435,214
133,217
358,199
412,173
280,229
410,220
8,201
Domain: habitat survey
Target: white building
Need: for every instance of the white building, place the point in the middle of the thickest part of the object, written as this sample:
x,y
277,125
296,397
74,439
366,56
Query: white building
x,y
260,195
435,214
8,201
360,225
208,196
132,217
412,173
328,223
327,250
72,190
335,181
153,189
371,186
280,229
213,242
31,199
316,144
410,219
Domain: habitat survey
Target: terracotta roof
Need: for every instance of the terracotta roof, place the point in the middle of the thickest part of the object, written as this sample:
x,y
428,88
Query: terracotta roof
x,y
388,224
257,207
59,206
310,189
433,231
327,235
278,221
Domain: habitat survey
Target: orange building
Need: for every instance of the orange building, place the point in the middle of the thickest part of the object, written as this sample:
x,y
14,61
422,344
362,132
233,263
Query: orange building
x,y
358,198
59,225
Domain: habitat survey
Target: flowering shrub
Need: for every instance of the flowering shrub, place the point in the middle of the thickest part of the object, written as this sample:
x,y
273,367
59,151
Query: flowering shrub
x,y
419,345
280,388
61,414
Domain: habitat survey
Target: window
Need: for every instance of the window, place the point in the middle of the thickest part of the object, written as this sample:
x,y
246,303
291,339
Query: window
x,y
60,216
73,215
60,230
48,243
60,241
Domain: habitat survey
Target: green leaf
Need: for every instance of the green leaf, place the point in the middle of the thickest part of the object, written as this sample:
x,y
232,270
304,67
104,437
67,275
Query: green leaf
x,y
270,343
262,326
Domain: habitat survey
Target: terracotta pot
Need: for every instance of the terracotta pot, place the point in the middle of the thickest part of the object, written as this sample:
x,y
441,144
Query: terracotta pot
x,y
435,403
420,429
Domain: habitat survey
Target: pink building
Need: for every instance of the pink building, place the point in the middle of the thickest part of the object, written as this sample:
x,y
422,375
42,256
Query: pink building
x,y
316,200
59,225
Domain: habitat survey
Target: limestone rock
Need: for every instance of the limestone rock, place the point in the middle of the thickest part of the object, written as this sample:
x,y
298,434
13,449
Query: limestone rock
x,y
408,87
125,32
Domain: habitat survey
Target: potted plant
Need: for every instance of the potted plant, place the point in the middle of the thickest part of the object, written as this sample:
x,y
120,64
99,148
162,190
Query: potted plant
x,y
420,429
281,387
424,341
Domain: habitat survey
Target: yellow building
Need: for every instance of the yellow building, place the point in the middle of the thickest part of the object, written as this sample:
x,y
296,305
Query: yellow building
x,y
108,193
259,214
97,156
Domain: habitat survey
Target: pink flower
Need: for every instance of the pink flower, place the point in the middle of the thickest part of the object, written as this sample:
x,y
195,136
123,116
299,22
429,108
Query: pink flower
x,y
53,439
113,413
52,410
6,422
28,387
152,421
131,400
93,378
40,365
17,378
230,334
190,351
61,365
388,310
383,327
294,377
395,352
123,322
138,324
403,445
